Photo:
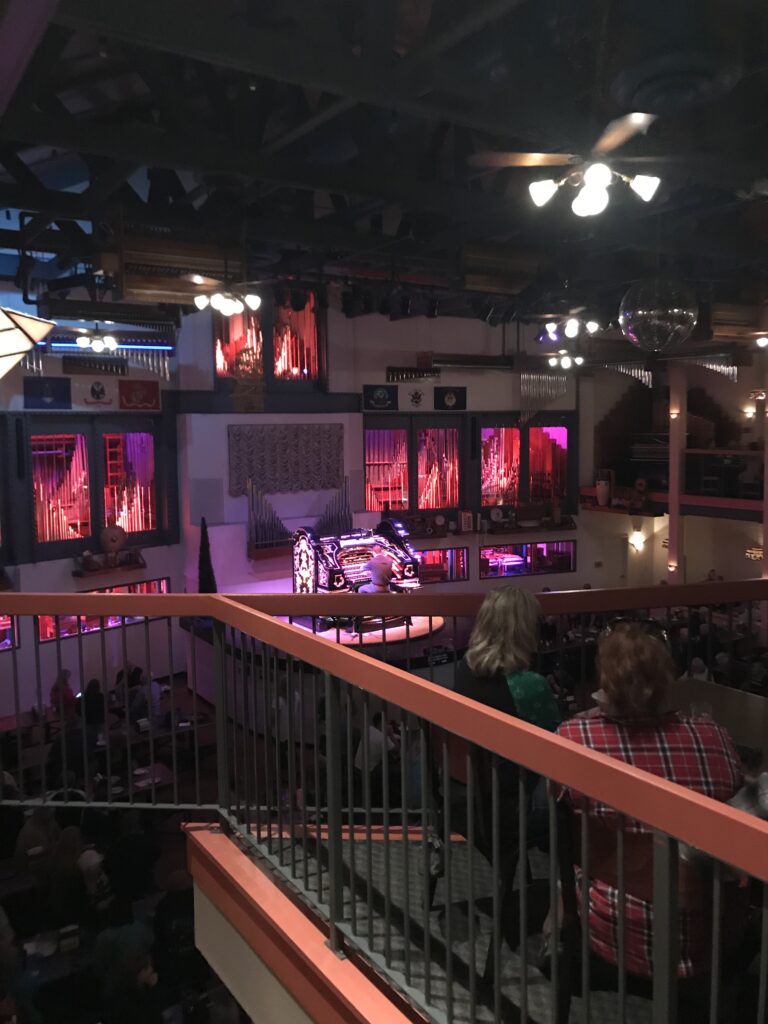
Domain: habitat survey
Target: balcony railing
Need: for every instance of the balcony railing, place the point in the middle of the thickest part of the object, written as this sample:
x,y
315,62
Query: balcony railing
x,y
414,844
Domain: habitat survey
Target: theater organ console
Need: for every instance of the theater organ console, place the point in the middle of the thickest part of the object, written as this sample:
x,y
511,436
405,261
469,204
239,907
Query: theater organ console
x,y
337,564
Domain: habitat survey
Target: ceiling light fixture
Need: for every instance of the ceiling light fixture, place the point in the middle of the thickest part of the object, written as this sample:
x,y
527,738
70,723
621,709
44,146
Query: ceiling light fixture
x,y
229,303
592,326
572,326
645,186
542,191
761,342
97,341
593,182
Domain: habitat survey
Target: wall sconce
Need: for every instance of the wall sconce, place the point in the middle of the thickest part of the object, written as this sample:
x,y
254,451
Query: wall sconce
x,y
749,413
673,414
636,541
671,567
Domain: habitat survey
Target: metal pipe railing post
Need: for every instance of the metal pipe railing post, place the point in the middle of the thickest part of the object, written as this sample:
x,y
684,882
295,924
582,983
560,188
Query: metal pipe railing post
x,y
333,759
221,710
666,930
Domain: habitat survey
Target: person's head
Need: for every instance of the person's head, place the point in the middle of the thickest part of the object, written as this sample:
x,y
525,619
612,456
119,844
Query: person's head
x,y
635,669
378,549
698,668
69,847
378,720
505,633
93,687
62,679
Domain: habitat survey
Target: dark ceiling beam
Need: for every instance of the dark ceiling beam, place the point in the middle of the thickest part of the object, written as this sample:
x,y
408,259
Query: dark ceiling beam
x,y
102,186
22,26
197,29
145,145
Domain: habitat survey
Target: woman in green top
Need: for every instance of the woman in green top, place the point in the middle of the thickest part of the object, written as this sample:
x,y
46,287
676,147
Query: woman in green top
x,y
495,669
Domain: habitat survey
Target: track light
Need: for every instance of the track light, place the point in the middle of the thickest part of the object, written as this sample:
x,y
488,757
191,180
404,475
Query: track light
x,y
542,191
645,186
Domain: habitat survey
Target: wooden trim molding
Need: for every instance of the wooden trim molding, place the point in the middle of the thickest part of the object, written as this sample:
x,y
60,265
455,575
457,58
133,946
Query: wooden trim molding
x,y
329,989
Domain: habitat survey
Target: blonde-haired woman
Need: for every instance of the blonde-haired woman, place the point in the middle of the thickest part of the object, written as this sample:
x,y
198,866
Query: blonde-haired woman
x,y
495,670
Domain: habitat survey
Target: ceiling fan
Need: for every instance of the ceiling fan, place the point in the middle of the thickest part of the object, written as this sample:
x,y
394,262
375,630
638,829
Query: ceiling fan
x,y
590,175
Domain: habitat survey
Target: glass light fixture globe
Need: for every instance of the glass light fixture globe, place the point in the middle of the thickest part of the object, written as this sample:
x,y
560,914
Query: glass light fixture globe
x,y
598,176
566,362
83,341
645,186
551,329
552,361
252,301
571,327
590,201
542,191
201,301
761,342
110,342
237,306
216,300
592,326
579,360
97,345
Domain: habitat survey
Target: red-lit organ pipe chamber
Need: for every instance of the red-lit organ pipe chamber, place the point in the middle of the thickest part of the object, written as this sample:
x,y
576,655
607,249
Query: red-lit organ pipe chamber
x,y
295,342
386,469
61,492
239,345
129,487
548,454
499,465
443,565
438,467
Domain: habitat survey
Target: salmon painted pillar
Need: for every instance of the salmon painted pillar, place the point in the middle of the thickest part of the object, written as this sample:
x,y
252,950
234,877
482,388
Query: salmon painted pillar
x,y
678,433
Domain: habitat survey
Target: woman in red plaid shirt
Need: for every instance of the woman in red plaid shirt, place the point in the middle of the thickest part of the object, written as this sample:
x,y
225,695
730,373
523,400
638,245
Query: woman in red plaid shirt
x,y
635,670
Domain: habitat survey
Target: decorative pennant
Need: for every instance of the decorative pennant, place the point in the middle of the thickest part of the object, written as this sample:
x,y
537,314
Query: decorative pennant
x,y
380,397
451,399
47,393
139,395
537,389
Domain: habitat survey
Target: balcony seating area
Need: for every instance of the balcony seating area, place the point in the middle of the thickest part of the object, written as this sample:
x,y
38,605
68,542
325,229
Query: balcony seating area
x,y
375,793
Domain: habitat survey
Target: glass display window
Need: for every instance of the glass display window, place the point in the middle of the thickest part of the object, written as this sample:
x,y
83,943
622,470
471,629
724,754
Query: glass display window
x,y
70,625
295,342
386,469
548,463
129,481
502,560
499,466
239,345
438,467
61,487
443,565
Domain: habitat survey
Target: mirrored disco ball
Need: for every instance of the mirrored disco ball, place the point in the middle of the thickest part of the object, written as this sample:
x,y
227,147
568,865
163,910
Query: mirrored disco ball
x,y
658,314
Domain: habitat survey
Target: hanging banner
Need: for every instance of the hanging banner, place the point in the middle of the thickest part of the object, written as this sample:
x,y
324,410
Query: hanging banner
x,y
139,395
450,399
380,397
47,393
94,393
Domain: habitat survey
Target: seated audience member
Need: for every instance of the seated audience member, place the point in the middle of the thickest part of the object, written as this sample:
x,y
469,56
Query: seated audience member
x,y
635,671
177,958
62,699
130,864
380,735
17,990
129,983
11,818
67,898
70,757
495,669
698,670
93,704
97,887
146,702
37,839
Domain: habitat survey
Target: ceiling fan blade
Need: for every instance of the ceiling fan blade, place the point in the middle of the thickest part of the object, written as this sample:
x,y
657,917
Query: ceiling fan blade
x,y
494,159
621,130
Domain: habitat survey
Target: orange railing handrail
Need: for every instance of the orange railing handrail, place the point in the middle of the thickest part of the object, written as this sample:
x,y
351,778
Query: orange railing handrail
x,y
421,602
726,834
